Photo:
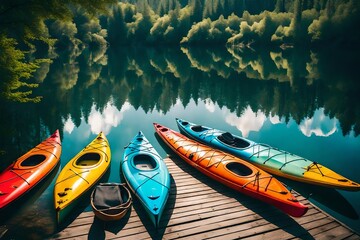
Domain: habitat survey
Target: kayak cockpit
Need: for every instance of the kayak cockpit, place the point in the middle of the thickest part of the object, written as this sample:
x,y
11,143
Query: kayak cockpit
x,y
33,160
144,162
88,159
239,169
229,139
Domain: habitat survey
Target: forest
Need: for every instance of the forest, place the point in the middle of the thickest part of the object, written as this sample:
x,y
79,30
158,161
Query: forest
x,y
36,32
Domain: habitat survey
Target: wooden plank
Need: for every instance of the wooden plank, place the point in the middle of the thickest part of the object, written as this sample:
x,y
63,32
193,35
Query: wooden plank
x,y
273,224
200,229
283,231
333,233
273,234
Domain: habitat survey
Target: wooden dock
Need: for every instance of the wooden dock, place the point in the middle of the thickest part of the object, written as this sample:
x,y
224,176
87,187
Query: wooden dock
x,y
200,208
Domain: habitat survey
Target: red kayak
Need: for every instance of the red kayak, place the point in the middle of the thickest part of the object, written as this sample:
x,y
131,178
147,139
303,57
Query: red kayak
x,y
232,172
29,170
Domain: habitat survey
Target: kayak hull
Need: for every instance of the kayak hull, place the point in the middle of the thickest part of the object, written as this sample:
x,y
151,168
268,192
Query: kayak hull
x,y
272,160
29,170
80,174
232,172
147,176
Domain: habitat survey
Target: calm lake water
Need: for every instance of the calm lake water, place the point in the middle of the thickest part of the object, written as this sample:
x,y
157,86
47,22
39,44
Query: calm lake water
x,y
301,101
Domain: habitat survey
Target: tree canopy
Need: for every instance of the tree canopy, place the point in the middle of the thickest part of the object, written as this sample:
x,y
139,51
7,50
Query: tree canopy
x,y
24,29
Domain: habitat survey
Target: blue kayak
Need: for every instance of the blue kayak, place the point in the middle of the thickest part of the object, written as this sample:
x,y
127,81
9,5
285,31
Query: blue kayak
x,y
272,160
147,176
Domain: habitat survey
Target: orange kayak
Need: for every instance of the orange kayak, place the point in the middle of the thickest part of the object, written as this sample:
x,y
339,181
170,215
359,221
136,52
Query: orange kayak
x,y
29,170
232,172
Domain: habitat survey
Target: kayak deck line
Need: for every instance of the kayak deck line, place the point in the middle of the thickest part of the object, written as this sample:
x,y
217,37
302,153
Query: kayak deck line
x,y
255,181
98,149
134,148
17,176
74,175
47,147
200,208
148,178
267,148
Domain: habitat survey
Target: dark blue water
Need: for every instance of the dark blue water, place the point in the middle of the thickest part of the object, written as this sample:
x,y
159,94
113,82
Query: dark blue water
x,y
298,104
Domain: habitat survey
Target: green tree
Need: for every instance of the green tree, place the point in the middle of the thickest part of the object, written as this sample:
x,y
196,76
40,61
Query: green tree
x,y
22,26
117,32
279,6
145,23
330,9
208,9
297,20
163,7
13,69
238,7
197,10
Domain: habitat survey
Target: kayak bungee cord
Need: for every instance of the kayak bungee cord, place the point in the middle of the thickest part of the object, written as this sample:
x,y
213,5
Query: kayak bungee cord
x,y
189,146
102,144
149,178
134,149
211,132
294,160
258,178
80,175
76,174
316,165
18,175
47,146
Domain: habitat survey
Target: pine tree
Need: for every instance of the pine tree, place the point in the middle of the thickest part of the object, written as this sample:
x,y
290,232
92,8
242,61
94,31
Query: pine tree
x,y
197,10
116,26
297,20
279,6
208,9
330,8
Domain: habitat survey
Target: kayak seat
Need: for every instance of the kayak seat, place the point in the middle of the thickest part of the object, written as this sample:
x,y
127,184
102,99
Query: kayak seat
x,y
227,138
144,162
198,128
239,169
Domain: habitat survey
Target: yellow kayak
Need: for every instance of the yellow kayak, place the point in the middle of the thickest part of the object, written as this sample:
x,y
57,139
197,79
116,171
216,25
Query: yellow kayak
x,y
80,174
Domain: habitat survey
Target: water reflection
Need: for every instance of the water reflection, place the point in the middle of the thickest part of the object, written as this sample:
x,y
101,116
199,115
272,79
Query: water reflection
x,y
327,197
310,98
80,83
249,121
297,82
109,117
36,204
319,124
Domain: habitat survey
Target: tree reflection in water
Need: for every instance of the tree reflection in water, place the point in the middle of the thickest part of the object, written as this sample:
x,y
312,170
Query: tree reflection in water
x,y
288,84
